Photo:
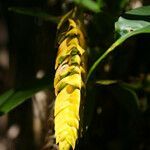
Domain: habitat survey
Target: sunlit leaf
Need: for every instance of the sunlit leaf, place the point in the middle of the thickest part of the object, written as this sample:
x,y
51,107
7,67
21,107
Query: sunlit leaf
x,y
141,11
106,82
14,97
134,86
125,28
89,4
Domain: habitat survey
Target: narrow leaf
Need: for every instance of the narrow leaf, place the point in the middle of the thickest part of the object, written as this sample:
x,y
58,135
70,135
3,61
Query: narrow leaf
x,y
141,11
126,97
35,13
14,97
133,86
145,29
106,82
89,4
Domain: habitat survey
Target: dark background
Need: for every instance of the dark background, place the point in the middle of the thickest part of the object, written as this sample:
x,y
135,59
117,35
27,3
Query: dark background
x,y
27,47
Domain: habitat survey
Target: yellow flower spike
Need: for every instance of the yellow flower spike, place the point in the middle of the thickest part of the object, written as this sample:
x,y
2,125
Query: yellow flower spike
x,y
74,80
70,121
81,50
62,46
65,130
77,32
74,31
64,145
60,87
61,71
72,23
73,41
68,113
69,134
75,69
68,82
67,50
82,70
65,99
66,70
75,60
71,140
62,56
60,107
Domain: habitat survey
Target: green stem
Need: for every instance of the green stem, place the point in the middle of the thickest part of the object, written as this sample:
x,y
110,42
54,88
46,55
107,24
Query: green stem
x,y
114,45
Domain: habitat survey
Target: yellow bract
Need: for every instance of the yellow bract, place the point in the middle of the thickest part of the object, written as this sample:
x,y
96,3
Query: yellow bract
x,y
68,83
72,23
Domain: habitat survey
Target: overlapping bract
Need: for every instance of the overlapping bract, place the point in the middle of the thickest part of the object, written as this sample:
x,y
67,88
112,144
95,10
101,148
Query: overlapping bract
x,y
70,71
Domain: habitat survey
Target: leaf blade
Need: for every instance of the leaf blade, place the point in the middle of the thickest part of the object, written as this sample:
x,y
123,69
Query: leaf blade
x,y
34,13
141,11
124,26
106,82
89,4
14,97
145,29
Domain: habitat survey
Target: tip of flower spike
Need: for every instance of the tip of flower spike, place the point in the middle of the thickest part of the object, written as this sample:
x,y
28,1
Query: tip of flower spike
x,y
72,23
64,145
66,138
74,31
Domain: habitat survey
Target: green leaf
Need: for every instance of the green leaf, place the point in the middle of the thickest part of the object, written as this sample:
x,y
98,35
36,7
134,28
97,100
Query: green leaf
x,y
89,4
133,86
14,97
106,82
6,95
126,97
125,26
123,92
35,13
126,29
141,11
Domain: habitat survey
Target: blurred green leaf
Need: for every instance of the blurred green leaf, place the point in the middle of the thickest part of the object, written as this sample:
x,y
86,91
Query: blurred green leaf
x,y
126,97
89,4
141,11
125,28
14,97
123,3
133,86
5,96
124,94
106,82
35,13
